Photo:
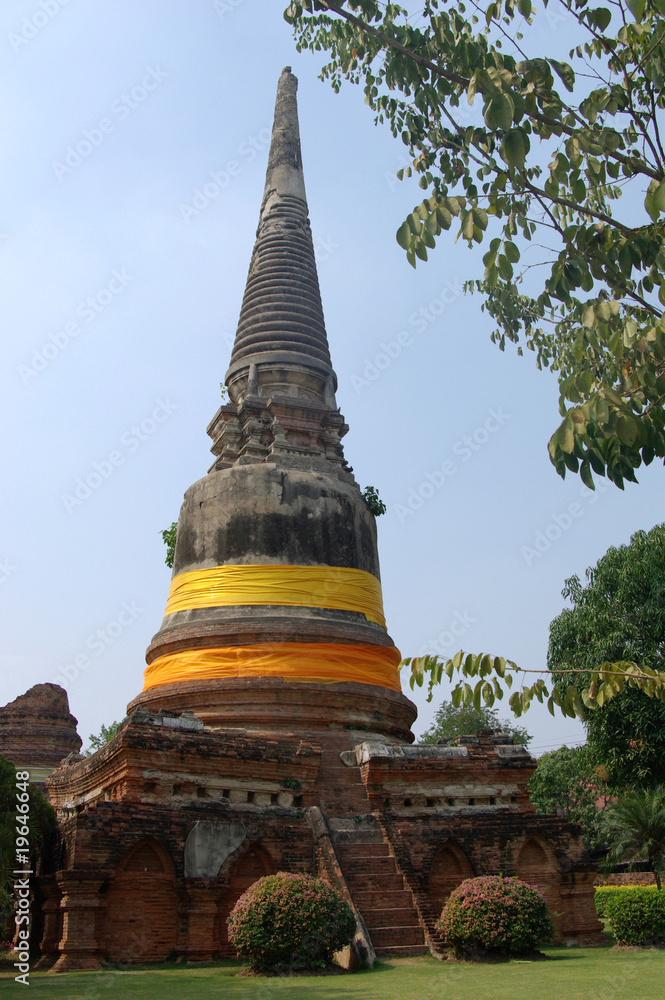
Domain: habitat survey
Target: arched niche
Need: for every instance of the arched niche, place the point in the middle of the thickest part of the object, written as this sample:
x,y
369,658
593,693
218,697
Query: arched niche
x,y
534,860
449,867
254,862
139,922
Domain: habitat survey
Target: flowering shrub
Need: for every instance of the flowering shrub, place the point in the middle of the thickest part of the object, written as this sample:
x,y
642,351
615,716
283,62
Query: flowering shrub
x,y
497,915
636,913
291,922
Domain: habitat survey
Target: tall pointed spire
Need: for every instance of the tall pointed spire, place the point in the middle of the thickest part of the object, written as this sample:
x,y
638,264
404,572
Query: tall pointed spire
x,y
281,321
274,618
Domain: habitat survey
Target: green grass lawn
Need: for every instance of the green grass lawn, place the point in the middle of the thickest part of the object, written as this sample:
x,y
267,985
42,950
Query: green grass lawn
x,y
571,974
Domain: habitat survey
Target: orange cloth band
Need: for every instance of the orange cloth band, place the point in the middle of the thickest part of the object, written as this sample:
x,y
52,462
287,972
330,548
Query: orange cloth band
x,y
275,584
329,663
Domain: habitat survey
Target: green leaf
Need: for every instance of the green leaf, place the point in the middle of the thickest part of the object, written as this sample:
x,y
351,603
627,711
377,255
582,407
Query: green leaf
x,y
512,253
499,112
636,7
404,235
524,7
471,89
513,148
565,72
659,197
603,16
585,475
566,436
627,430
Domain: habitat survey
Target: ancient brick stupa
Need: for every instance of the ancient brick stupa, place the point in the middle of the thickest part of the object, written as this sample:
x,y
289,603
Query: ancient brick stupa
x,y
271,733
275,619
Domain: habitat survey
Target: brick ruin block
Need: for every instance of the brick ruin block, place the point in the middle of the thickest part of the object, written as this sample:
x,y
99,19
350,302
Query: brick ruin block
x,y
37,730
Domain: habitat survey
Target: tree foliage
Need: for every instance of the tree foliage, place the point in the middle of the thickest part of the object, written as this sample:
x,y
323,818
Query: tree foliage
x,y
40,820
564,783
466,720
105,735
571,271
168,537
636,826
619,614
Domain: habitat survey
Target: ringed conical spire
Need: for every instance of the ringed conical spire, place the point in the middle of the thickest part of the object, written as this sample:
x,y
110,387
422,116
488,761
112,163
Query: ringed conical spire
x,y
281,320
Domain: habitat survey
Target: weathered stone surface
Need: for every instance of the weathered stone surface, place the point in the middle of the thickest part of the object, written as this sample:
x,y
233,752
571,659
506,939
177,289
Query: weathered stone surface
x,y
281,311
37,728
209,843
270,704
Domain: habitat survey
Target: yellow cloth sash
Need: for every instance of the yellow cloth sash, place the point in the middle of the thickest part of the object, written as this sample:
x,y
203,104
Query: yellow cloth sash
x,y
299,586
329,663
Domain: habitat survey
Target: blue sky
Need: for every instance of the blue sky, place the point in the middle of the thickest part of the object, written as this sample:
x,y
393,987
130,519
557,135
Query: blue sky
x,y
121,292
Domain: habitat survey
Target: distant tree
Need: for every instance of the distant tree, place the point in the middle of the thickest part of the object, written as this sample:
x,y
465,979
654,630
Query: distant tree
x,y
42,826
106,734
636,827
564,783
466,720
618,615
7,838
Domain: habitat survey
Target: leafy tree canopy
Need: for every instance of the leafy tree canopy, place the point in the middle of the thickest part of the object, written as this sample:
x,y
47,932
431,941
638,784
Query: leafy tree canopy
x,y
619,614
565,783
572,271
466,720
105,735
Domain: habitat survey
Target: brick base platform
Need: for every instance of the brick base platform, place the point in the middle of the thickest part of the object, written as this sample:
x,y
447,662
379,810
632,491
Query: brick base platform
x,y
166,826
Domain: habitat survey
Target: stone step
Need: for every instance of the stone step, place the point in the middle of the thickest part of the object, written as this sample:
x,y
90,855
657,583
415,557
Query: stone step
x,y
363,852
374,899
387,937
393,916
375,867
380,883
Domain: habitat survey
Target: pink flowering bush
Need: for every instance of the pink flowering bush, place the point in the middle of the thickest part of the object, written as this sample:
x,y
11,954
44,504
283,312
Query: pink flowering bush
x,y
289,921
495,915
